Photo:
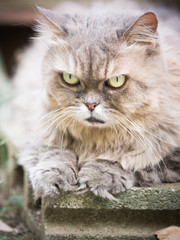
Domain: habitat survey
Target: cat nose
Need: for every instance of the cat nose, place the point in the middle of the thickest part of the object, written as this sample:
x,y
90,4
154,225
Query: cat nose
x,y
91,106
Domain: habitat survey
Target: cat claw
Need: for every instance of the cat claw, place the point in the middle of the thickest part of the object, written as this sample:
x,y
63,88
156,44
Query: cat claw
x,y
82,187
104,194
98,192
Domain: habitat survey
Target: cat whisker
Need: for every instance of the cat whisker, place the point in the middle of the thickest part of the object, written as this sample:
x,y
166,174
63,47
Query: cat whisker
x,y
131,132
134,128
53,119
62,137
119,123
144,136
142,128
113,127
148,142
138,131
139,136
63,116
46,117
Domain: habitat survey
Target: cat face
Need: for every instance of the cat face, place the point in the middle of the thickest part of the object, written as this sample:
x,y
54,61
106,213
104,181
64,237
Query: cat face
x,y
85,59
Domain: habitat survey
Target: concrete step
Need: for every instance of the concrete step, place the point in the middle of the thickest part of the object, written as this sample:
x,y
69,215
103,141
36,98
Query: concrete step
x,y
160,197
105,224
55,231
138,214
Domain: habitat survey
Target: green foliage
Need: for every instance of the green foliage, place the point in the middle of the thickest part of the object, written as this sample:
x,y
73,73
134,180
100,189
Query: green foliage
x,y
4,209
4,238
3,153
14,201
3,141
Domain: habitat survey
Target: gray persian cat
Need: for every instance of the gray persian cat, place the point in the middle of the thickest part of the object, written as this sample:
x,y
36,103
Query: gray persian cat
x,y
104,87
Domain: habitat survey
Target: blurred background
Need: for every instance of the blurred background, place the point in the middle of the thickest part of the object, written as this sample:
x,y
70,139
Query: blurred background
x,y
16,20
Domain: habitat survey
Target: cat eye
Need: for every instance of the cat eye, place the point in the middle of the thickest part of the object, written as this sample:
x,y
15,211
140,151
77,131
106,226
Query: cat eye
x,y
70,79
117,82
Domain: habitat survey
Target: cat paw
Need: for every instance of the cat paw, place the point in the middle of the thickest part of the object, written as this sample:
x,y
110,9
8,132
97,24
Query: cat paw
x,y
104,178
51,178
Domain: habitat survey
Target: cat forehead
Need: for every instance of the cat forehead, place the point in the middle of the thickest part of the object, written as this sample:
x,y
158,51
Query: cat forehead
x,y
86,59
109,27
99,32
92,46
98,61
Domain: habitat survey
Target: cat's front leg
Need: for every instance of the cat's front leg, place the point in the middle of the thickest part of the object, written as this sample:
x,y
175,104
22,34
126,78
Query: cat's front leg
x,y
105,178
55,171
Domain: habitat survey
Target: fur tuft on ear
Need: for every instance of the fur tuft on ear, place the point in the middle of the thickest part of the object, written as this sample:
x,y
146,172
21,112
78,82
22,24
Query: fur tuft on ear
x,y
51,21
143,30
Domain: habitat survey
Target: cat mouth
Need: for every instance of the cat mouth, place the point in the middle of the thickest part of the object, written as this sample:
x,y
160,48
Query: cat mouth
x,y
93,120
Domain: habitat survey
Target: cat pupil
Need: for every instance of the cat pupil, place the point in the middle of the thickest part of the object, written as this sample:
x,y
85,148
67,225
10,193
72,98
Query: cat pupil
x,y
116,79
70,76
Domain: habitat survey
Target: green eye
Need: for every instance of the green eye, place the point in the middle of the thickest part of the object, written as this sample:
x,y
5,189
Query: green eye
x,y
117,82
70,79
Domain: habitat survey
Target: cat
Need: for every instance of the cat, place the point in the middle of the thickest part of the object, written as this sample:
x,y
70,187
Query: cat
x,y
104,87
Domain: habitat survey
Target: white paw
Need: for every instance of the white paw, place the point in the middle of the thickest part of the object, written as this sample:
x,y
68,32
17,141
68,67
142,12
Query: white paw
x,y
104,178
50,179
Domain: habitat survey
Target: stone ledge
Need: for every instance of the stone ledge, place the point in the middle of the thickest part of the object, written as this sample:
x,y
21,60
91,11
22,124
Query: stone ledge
x,y
55,231
161,197
138,214
106,224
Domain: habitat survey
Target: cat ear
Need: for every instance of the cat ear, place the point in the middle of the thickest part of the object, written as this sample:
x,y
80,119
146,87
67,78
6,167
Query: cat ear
x,y
143,30
51,21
